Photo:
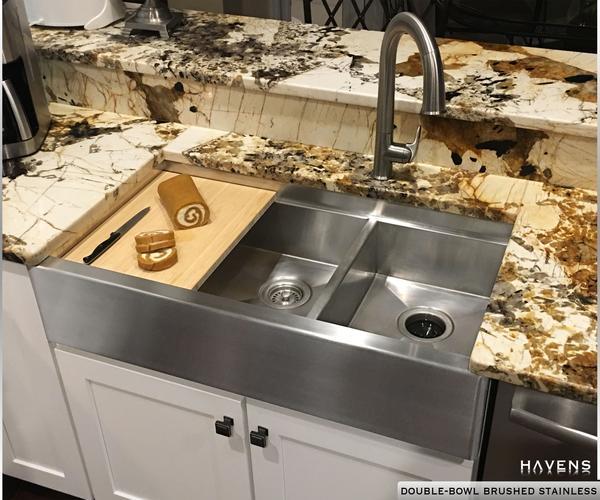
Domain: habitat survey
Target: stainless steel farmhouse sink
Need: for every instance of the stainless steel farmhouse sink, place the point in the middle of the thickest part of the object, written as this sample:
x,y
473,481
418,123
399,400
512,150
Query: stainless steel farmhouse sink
x,y
421,277
351,309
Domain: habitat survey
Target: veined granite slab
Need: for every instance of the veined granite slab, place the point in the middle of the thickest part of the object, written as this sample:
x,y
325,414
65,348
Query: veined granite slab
x,y
90,163
553,157
540,327
539,330
537,89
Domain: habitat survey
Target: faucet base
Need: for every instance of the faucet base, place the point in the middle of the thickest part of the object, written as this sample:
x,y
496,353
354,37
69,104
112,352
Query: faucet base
x,y
381,177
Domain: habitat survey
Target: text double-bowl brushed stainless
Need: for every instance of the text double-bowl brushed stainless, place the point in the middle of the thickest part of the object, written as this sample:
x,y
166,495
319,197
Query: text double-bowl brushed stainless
x,y
338,356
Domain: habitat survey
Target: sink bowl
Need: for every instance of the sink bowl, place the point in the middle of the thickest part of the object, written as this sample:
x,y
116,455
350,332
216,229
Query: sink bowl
x,y
425,285
286,259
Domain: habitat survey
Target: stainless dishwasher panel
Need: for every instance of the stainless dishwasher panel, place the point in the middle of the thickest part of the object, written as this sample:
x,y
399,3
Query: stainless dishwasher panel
x,y
569,421
532,426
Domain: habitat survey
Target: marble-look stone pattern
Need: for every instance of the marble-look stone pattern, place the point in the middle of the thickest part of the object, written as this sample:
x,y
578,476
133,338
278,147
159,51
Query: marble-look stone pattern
x,y
540,328
564,160
538,89
90,163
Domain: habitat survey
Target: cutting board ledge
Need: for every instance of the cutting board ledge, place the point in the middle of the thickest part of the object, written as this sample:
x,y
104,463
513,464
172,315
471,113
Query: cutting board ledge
x,y
234,209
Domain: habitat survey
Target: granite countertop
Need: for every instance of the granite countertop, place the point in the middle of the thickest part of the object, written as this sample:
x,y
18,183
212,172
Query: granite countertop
x,y
532,88
539,330
90,163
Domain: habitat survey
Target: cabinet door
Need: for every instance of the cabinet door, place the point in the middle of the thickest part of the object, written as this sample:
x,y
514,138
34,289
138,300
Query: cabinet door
x,y
306,457
147,435
39,441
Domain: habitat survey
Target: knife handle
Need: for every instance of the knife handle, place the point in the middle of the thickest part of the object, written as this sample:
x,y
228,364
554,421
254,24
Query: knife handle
x,y
101,248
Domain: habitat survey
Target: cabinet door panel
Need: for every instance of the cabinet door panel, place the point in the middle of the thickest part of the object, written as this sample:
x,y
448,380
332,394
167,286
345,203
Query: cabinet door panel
x,y
307,457
153,437
39,440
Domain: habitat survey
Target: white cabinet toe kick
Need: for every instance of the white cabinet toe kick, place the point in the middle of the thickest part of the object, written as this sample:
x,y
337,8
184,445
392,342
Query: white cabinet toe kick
x,y
337,373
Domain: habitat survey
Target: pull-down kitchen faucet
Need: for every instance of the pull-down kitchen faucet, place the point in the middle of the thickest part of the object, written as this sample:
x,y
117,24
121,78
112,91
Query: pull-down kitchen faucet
x,y
434,94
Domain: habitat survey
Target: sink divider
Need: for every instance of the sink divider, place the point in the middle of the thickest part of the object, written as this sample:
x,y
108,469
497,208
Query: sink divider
x,y
342,269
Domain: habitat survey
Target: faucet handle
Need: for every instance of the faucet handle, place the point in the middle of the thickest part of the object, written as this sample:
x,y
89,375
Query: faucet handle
x,y
414,145
403,153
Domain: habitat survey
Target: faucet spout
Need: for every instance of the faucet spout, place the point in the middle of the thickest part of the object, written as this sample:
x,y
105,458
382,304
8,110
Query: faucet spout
x,y
434,93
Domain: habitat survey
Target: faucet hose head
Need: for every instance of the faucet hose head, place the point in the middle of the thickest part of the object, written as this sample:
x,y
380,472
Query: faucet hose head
x,y
434,88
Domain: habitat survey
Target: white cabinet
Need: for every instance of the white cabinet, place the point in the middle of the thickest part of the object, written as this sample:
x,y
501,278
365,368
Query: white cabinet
x,y
310,458
39,440
153,437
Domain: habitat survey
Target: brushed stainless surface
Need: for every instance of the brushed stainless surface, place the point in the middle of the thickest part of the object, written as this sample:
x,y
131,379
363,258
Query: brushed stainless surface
x,y
401,267
434,93
569,421
288,242
389,297
242,275
401,389
516,437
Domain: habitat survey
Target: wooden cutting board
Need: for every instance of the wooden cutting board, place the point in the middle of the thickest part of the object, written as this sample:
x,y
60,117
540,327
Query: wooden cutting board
x,y
233,209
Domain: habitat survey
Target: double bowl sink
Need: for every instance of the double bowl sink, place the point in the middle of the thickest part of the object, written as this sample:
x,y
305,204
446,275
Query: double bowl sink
x,y
355,310
419,276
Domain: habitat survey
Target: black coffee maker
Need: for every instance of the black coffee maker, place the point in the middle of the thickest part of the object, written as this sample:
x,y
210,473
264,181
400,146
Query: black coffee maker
x,y
25,115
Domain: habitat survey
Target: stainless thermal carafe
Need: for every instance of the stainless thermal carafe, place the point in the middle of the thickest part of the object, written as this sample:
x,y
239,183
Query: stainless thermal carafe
x,y
25,115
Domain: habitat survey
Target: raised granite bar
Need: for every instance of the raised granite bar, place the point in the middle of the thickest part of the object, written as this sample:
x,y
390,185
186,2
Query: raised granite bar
x,y
523,112
517,84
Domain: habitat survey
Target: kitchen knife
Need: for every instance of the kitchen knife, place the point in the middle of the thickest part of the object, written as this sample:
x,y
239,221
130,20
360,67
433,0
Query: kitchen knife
x,y
114,236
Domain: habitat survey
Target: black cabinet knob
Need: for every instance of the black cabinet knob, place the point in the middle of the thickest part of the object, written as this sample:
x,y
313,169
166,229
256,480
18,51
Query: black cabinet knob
x,y
259,437
224,427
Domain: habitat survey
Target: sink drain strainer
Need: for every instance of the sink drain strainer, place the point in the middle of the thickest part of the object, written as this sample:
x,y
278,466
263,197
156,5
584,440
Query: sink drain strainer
x,y
425,324
284,293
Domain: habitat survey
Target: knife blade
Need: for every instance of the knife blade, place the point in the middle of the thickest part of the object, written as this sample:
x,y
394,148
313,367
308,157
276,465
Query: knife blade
x,y
114,236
